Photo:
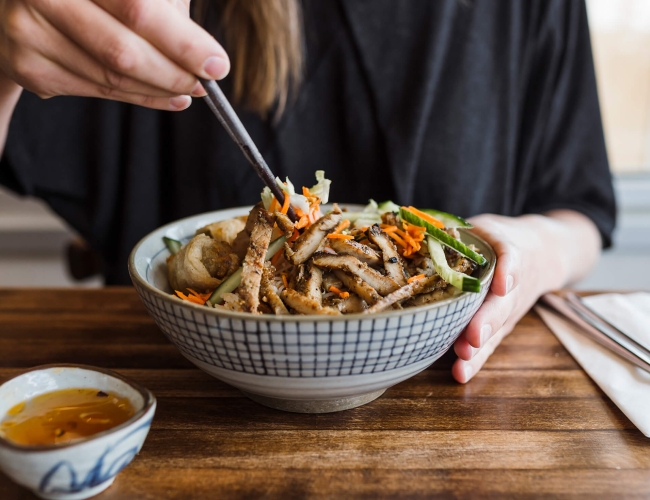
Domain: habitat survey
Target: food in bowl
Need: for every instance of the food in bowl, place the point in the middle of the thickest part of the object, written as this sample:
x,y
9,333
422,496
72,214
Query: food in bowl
x,y
64,416
338,262
298,362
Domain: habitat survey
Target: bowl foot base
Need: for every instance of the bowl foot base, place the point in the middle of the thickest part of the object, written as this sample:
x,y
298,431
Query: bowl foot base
x,y
315,405
79,495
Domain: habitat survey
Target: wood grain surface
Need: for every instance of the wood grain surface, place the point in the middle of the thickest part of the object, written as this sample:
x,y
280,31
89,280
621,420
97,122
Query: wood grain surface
x,y
531,424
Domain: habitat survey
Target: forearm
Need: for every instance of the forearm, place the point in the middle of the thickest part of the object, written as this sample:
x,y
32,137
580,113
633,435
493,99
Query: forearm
x,y
9,95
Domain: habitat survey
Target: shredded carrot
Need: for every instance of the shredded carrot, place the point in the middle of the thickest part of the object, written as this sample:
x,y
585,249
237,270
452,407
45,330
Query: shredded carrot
x,y
343,295
285,205
339,236
364,228
431,220
303,222
274,205
284,280
387,228
343,225
398,240
294,236
194,297
306,192
415,278
276,257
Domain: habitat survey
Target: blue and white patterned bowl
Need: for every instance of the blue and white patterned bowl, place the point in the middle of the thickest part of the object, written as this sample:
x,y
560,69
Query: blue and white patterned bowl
x,y
79,469
300,363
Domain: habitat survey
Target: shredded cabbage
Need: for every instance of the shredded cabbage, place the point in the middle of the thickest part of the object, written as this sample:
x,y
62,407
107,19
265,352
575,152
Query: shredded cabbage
x,y
322,187
298,201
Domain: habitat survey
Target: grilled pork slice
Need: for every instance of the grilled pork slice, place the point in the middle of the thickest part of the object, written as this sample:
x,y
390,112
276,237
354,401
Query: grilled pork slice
x,y
269,293
352,304
251,278
313,282
403,293
305,305
308,242
284,223
241,241
392,260
358,286
383,284
362,252
428,298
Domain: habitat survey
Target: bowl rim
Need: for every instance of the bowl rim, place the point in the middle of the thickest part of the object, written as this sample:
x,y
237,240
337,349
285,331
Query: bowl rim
x,y
148,398
293,318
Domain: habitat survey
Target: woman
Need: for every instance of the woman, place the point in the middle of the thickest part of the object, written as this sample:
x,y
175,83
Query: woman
x,y
469,107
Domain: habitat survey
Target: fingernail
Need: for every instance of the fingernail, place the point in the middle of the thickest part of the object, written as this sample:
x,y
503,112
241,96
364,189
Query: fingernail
x,y
216,67
181,102
198,91
468,372
486,333
509,282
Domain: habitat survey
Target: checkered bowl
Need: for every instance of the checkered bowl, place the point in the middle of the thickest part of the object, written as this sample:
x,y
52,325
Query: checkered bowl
x,y
300,363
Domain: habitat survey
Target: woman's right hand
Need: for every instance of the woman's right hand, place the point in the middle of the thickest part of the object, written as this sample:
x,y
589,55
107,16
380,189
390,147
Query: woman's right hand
x,y
145,52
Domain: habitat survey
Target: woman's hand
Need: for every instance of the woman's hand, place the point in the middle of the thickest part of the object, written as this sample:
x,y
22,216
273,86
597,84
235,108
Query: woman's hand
x,y
535,254
145,52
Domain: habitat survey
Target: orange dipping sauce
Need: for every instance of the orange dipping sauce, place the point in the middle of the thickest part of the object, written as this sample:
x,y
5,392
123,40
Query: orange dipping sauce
x,y
65,415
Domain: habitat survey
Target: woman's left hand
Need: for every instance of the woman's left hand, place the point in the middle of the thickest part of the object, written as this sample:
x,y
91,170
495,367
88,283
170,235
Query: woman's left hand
x,y
535,254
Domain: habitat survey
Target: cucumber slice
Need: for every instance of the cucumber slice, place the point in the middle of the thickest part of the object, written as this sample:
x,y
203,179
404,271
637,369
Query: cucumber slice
x,y
449,220
174,246
461,281
234,280
227,286
443,237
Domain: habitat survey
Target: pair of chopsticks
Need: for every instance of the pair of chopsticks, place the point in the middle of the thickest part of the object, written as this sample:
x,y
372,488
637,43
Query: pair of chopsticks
x,y
599,330
226,115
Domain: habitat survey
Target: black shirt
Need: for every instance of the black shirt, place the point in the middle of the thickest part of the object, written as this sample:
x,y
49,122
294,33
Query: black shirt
x,y
468,107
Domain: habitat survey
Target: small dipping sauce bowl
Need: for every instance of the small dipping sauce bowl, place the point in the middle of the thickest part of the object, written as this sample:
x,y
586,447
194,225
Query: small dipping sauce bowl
x,y
81,468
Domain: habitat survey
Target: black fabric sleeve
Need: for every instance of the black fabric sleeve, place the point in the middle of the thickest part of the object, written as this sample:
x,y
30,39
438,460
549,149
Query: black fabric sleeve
x,y
571,170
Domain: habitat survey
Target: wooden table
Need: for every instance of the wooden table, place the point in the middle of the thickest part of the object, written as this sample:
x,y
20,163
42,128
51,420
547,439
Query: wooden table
x,y
531,423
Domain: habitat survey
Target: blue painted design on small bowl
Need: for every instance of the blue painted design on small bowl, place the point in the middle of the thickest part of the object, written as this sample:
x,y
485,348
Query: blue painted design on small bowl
x,y
302,363
85,467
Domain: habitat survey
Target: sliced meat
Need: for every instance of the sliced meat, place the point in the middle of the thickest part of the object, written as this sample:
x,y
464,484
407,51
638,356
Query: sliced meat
x,y
383,284
403,293
358,286
330,279
224,230
362,252
313,280
308,242
240,243
251,278
305,305
285,224
269,293
393,262
391,218
428,298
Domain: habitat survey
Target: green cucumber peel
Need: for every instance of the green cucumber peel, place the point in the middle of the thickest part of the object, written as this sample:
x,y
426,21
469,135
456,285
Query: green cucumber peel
x,y
461,281
234,280
449,220
443,237
174,246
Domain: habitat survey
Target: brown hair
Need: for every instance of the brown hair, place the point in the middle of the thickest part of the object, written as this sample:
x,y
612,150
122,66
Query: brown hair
x,y
265,45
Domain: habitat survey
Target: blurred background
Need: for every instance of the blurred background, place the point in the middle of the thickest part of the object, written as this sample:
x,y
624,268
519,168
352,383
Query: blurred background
x,y
36,247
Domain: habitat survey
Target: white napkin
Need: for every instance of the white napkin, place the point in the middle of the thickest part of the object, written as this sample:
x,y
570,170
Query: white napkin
x,y
625,384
